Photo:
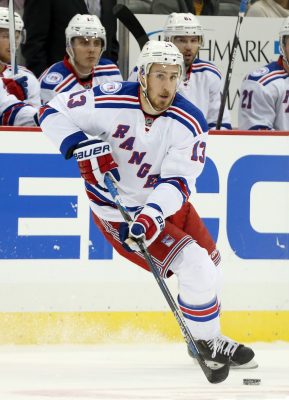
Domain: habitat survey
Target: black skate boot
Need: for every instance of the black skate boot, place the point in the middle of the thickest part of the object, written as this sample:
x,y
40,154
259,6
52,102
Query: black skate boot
x,y
217,351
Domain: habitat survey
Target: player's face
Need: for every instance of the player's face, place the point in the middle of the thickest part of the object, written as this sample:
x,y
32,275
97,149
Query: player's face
x,y
162,83
86,52
286,46
188,46
5,45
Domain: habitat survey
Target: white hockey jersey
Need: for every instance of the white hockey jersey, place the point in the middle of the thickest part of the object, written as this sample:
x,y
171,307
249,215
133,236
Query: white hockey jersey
x,y
61,77
158,163
33,85
13,112
203,87
264,99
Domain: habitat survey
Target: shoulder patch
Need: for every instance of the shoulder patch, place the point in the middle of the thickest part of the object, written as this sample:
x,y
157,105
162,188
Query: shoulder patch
x,y
53,78
110,87
260,72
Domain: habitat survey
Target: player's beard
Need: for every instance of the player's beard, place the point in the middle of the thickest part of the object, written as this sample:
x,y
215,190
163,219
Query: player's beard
x,y
161,104
189,59
189,56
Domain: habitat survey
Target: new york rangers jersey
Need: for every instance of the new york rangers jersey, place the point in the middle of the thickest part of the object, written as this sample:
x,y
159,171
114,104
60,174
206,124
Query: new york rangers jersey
x,y
159,160
14,112
264,98
61,77
33,85
203,87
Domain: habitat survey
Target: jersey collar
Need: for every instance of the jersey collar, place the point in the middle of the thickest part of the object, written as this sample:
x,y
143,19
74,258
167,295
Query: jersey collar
x,y
83,82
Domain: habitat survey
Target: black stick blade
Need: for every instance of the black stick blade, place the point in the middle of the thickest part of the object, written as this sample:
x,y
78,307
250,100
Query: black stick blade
x,y
215,375
130,21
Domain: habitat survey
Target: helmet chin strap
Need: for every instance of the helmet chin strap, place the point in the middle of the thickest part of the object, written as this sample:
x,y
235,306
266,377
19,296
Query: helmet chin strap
x,y
284,57
145,94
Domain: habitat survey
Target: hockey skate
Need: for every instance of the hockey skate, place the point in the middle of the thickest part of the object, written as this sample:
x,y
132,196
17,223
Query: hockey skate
x,y
217,351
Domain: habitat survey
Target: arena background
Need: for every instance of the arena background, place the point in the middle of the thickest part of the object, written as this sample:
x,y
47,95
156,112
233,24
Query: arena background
x,y
259,45
60,282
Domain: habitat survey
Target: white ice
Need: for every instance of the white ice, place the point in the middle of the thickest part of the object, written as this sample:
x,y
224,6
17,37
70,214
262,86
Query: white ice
x,y
133,372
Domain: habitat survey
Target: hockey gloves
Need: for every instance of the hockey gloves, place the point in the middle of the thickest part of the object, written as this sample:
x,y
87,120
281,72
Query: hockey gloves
x,y
94,160
18,87
147,225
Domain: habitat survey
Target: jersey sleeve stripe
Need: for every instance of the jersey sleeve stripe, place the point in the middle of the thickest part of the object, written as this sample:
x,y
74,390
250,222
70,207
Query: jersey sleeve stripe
x,y
272,76
101,200
182,121
64,82
130,99
67,87
264,83
116,105
43,74
202,68
97,198
116,102
9,114
106,73
70,142
204,64
45,111
186,119
106,68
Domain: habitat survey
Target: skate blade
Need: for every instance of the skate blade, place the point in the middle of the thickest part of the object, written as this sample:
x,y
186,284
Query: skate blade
x,y
214,365
249,365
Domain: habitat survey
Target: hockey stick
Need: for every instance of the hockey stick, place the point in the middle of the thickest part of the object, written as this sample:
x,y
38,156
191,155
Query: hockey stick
x,y
232,56
213,375
130,21
12,40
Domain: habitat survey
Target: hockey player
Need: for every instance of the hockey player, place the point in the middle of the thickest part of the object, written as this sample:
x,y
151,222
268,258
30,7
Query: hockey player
x,y
24,85
82,67
264,93
156,166
202,84
14,112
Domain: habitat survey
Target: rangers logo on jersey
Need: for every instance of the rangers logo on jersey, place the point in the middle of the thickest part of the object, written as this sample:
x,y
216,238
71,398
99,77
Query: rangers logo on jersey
x,y
53,78
168,240
260,71
110,87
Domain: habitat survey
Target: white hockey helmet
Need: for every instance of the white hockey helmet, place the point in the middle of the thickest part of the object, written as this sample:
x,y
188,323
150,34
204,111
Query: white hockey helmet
x,y
4,20
284,31
85,25
159,52
183,24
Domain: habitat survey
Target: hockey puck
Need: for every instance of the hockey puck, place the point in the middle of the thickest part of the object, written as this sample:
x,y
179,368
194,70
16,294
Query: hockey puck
x,y
251,381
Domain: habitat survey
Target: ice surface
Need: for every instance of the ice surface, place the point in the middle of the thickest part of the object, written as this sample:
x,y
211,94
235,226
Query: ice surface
x,y
133,372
